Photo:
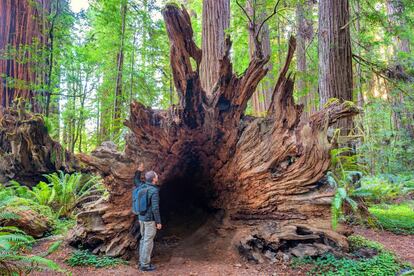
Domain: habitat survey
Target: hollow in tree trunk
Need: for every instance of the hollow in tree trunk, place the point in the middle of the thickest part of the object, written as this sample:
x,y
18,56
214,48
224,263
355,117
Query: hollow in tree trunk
x,y
262,172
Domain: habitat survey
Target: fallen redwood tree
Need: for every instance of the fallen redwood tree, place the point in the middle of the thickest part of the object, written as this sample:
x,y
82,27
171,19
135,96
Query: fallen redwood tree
x,y
26,149
263,172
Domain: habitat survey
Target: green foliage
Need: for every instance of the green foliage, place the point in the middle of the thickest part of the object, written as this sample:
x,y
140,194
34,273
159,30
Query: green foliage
x,y
383,188
85,258
357,242
12,238
344,176
385,149
12,241
384,263
63,225
397,218
53,248
66,191
15,198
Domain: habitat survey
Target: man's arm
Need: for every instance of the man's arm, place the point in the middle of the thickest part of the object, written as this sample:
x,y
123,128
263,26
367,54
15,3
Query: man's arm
x,y
137,178
155,204
138,174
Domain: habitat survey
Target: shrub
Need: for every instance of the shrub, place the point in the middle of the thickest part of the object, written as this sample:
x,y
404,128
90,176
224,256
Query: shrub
x,y
86,258
397,218
384,263
69,190
382,188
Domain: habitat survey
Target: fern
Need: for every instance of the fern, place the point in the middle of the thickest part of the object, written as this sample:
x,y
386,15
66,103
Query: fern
x,y
68,190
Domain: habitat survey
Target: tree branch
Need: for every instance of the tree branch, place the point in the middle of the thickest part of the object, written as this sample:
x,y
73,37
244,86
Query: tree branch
x,y
182,47
245,12
266,19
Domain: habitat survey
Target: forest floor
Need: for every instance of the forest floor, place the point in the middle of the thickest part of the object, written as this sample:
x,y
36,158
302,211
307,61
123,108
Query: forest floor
x,y
198,255
401,245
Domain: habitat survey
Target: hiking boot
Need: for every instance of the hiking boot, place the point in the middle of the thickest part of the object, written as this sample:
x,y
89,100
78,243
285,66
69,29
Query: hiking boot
x,y
149,267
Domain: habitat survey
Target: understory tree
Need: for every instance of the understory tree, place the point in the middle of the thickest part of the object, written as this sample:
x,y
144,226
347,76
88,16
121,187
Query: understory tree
x,y
262,172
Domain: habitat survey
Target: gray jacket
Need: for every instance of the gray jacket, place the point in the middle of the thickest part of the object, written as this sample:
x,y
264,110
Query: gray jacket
x,y
153,211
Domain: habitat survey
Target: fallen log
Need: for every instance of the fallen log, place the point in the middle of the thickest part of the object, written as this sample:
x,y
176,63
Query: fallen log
x,y
262,172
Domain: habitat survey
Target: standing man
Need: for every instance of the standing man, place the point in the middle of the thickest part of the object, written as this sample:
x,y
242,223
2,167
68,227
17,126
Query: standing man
x,y
150,221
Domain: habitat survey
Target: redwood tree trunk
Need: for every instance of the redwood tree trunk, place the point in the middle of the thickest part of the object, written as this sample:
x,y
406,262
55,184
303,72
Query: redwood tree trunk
x,y
403,118
262,172
335,56
22,35
304,35
119,67
216,19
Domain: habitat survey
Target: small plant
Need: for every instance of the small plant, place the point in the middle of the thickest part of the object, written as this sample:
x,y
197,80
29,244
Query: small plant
x,y
344,176
384,263
69,190
86,258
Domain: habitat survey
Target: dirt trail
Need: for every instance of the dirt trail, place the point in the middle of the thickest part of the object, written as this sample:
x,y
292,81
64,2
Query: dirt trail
x,y
208,251
401,245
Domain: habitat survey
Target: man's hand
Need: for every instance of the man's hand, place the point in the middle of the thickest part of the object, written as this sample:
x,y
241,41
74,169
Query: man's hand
x,y
159,226
141,167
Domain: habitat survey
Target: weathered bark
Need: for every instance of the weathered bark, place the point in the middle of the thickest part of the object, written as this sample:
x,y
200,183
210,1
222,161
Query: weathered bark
x,y
216,19
22,37
335,56
258,170
33,223
26,149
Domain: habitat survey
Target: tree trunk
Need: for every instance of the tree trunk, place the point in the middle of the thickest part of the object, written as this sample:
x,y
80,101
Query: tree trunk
x,y
22,36
118,87
304,36
262,172
335,56
26,150
216,19
402,117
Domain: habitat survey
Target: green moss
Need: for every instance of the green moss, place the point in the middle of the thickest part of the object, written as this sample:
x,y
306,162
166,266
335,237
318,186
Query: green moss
x,y
331,101
395,218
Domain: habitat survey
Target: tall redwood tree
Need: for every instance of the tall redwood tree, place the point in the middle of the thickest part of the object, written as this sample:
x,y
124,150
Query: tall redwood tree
x,y
335,55
23,34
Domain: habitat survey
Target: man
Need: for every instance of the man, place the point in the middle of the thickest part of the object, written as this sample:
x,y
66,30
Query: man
x,y
151,220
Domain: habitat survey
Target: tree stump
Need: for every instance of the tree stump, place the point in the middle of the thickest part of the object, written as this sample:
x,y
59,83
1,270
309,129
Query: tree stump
x,y
263,172
26,149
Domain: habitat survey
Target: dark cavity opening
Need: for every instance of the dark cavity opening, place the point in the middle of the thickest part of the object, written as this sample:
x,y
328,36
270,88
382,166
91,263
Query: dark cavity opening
x,y
185,201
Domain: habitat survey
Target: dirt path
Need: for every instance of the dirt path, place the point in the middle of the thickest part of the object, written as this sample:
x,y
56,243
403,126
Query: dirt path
x,y
207,251
223,262
203,253
401,245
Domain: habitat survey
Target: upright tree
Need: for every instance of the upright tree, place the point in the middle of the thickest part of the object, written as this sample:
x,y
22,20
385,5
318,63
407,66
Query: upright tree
x,y
216,19
119,73
24,27
304,26
403,118
335,55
